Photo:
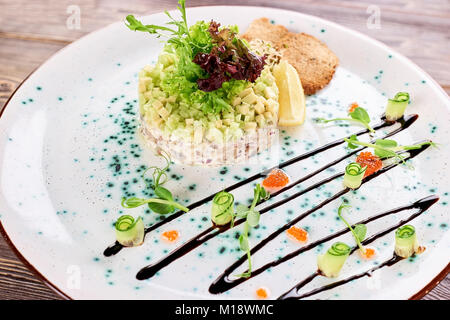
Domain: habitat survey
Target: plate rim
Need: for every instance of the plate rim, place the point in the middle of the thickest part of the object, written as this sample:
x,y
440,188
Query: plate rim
x,y
417,296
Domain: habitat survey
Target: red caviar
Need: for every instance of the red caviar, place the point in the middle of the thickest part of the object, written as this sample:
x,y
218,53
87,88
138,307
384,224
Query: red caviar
x,y
261,293
297,234
372,162
369,253
352,107
170,236
276,180
420,249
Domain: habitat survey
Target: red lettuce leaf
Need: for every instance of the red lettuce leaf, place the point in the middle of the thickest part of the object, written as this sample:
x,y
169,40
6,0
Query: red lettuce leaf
x,y
229,59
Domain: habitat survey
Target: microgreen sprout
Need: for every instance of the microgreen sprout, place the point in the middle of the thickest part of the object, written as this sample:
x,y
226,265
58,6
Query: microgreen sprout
x,y
359,231
158,173
252,220
182,28
358,114
386,148
164,203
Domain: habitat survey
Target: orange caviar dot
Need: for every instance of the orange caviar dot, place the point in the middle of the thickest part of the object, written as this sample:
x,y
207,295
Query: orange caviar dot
x,y
261,293
352,107
372,162
420,249
369,253
170,236
297,234
276,180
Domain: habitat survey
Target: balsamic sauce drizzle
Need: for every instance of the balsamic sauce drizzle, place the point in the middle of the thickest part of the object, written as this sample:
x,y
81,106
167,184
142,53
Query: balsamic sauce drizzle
x,y
405,122
293,296
150,270
223,283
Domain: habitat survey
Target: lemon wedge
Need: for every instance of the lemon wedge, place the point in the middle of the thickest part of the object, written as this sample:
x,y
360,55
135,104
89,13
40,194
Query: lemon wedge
x,y
291,97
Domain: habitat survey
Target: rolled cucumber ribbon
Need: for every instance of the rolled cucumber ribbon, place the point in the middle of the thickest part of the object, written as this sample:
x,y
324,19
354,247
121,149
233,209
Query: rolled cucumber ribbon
x,y
130,232
331,263
353,175
405,241
222,208
396,107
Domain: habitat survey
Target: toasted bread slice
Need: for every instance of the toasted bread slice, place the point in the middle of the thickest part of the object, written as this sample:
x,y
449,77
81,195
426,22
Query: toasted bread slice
x,y
313,60
264,30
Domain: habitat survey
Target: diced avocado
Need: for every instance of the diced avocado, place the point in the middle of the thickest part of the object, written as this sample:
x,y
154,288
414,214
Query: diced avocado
x,y
259,107
268,116
172,99
148,95
163,113
269,94
249,126
272,106
250,98
169,107
198,132
166,59
143,83
157,104
147,69
236,100
247,118
243,108
259,87
260,120
245,92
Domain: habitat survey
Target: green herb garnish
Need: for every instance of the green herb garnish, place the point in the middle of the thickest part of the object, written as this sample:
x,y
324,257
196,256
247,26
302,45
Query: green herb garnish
x,y
252,220
359,115
184,44
164,203
159,175
386,148
359,232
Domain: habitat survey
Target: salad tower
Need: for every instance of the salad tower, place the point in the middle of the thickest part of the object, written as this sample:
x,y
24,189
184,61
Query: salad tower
x,y
211,98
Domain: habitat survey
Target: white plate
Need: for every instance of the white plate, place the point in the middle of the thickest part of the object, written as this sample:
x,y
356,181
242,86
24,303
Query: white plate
x,y
61,184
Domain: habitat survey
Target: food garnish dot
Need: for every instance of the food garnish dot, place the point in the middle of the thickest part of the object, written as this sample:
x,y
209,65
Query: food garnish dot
x,y
372,162
170,236
297,234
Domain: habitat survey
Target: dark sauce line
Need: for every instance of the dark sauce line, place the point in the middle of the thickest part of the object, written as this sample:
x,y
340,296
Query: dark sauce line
x,y
407,123
422,204
223,280
223,283
368,273
150,270
404,124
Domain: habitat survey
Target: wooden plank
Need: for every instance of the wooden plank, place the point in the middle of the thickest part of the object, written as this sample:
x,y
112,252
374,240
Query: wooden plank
x,y
426,21
441,291
17,281
18,58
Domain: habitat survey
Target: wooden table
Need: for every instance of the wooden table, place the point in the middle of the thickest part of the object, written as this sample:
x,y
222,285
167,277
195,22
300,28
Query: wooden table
x,y
31,31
